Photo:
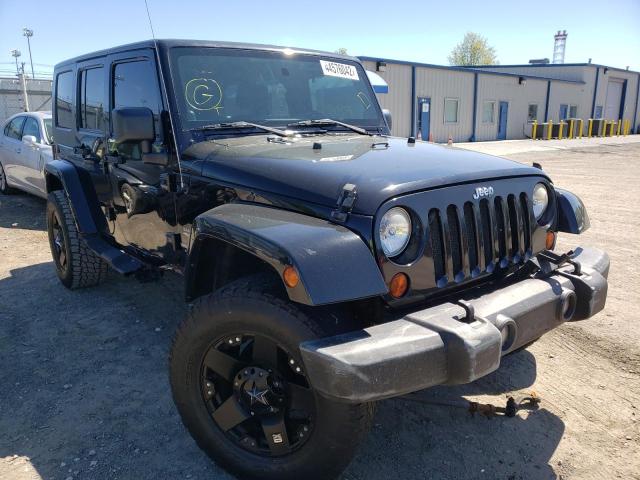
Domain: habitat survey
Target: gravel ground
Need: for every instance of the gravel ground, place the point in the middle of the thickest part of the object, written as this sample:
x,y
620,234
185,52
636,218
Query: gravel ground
x,y
84,390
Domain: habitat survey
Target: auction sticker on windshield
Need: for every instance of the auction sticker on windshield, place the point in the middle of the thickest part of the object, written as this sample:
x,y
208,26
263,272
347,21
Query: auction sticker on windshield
x,y
341,70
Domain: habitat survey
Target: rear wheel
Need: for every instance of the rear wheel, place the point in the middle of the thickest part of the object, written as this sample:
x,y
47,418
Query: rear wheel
x,y
76,264
241,388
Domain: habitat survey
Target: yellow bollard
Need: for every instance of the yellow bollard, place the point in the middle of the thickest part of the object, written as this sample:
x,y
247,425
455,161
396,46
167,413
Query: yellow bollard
x,y
534,128
562,124
590,127
549,127
619,125
604,129
571,122
581,123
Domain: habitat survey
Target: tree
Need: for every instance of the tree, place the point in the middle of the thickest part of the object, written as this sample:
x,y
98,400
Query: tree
x,y
342,51
473,50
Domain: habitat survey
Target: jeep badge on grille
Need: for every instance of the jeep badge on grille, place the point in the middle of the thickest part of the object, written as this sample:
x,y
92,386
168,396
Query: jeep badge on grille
x,y
483,192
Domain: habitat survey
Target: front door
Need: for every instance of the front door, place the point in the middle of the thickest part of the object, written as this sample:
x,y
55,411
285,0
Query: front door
x,y
424,117
33,156
502,120
145,210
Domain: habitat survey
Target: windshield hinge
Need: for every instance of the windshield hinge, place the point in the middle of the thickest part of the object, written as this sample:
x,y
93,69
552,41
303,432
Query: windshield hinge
x,y
346,201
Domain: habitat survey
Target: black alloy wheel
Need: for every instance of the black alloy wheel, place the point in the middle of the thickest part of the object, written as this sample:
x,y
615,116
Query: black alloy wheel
x,y
257,394
242,391
60,248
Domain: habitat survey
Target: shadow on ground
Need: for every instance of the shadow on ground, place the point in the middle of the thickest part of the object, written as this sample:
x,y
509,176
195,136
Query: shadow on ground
x,y
85,394
22,210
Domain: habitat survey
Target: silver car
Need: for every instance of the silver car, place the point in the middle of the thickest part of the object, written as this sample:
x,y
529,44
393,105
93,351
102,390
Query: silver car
x,y
25,148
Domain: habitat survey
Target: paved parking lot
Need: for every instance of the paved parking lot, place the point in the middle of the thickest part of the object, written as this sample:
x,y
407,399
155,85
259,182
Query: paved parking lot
x,y
84,390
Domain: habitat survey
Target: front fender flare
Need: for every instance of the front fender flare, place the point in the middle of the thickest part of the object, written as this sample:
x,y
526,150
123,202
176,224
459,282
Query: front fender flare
x,y
334,263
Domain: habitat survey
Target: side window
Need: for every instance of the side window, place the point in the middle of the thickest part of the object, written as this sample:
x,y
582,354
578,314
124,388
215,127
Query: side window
x,y
532,113
64,100
573,111
31,128
15,127
135,85
92,99
450,110
488,112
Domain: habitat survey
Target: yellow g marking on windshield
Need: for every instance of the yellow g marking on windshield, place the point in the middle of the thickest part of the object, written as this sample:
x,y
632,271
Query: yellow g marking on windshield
x,y
203,94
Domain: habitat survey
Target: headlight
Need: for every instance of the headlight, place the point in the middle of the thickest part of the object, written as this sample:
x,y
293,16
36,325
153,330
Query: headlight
x,y
395,231
540,200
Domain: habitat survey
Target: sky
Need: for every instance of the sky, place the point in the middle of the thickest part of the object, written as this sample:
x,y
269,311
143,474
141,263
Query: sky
x,y
607,31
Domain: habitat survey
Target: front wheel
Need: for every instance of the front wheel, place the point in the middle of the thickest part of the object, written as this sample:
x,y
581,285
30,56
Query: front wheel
x,y
241,389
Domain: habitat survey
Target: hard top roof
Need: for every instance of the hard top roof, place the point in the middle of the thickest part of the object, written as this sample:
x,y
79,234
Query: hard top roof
x,y
169,43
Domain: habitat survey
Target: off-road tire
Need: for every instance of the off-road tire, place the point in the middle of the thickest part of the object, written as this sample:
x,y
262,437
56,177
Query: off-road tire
x,y
255,304
5,189
83,267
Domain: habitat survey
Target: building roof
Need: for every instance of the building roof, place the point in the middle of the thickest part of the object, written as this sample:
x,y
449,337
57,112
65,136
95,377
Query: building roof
x,y
545,65
465,69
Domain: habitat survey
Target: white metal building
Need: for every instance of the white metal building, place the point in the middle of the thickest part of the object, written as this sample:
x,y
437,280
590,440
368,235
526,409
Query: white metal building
x,y
496,102
12,98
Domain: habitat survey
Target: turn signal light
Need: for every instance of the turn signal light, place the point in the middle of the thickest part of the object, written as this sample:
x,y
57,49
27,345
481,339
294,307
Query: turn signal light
x,y
290,276
398,285
551,240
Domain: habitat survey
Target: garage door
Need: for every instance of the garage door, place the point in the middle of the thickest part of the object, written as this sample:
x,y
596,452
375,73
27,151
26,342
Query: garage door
x,y
614,98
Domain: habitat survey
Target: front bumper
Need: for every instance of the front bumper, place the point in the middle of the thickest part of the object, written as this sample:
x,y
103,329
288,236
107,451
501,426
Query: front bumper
x,y
442,345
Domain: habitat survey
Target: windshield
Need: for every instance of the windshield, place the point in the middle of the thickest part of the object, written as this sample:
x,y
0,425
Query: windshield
x,y
47,129
215,85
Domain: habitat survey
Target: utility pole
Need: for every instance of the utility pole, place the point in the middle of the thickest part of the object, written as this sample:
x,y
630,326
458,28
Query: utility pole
x,y
23,81
29,33
15,54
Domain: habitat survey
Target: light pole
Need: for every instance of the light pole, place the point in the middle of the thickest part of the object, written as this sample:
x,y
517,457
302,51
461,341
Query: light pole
x,y
29,33
15,54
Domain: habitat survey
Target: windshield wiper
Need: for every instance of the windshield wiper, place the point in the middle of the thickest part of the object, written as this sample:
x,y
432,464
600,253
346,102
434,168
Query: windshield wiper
x,y
234,125
328,121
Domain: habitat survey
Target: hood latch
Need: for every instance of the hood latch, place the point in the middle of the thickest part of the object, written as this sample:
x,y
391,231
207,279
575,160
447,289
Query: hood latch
x,y
346,201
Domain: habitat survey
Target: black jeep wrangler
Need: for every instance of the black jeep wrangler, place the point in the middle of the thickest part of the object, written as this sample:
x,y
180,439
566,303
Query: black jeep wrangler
x,y
328,264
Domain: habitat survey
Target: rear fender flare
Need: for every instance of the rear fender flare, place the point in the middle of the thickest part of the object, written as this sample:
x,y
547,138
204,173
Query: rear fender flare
x,y
334,264
79,188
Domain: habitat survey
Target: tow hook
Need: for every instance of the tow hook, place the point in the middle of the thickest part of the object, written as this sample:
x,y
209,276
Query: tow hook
x,y
513,406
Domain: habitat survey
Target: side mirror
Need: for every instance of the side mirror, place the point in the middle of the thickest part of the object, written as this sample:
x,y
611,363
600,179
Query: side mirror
x,y
387,117
29,139
133,124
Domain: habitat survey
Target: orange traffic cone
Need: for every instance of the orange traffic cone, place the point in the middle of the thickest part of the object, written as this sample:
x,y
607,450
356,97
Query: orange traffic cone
x,y
450,141
430,137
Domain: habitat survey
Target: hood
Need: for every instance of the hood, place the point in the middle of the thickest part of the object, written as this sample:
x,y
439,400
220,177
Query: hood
x,y
296,169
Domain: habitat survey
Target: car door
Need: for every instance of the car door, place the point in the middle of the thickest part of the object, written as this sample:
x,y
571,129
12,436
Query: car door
x,y
145,210
12,150
33,156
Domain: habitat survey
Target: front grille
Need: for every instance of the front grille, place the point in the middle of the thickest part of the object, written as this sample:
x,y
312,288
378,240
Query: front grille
x,y
477,237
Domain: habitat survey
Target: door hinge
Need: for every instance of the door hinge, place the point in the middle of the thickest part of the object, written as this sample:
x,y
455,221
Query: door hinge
x,y
345,204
